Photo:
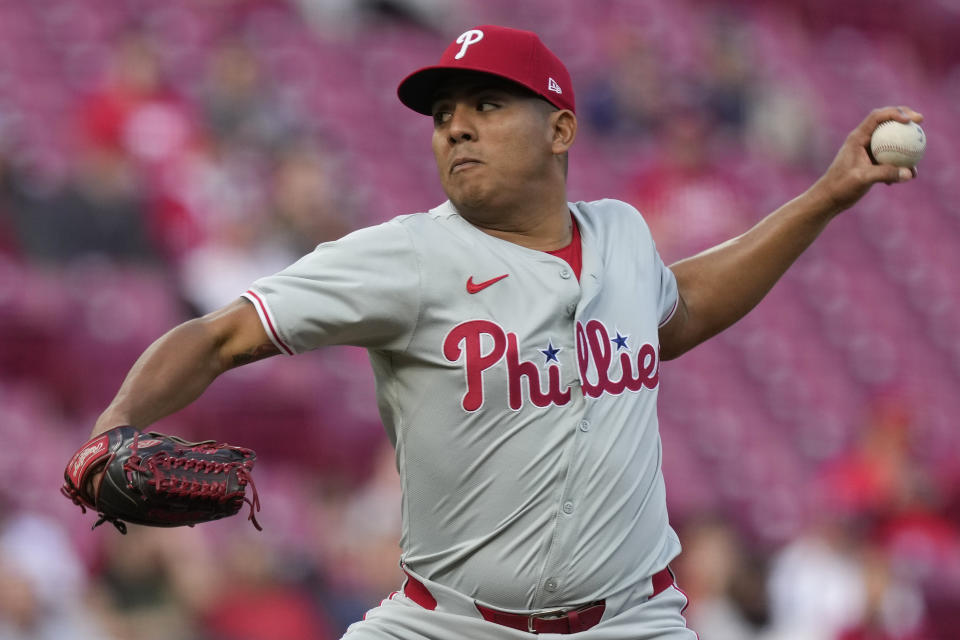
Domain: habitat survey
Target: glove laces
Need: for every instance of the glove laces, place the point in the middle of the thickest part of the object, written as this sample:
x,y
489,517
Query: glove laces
x,y
165,479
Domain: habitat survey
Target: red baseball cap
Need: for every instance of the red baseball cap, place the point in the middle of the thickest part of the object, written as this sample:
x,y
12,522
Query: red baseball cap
x,y
513,54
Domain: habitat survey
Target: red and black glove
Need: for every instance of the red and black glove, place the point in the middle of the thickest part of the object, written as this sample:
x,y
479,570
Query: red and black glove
x,y
160,480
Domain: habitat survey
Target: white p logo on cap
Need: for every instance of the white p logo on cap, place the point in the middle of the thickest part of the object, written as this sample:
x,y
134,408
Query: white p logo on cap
x,y
468,38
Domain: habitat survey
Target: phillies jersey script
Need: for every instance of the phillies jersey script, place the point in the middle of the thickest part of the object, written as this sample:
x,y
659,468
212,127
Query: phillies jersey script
x,y
521,400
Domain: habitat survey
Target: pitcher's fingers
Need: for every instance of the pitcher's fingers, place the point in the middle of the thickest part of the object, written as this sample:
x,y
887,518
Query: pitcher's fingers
x,y
861,135
889,174
909,114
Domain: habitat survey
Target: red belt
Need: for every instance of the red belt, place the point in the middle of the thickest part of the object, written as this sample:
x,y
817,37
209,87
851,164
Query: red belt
x,y
547,621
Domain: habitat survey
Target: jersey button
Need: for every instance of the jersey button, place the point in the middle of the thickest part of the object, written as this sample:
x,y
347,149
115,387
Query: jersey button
x,y
568,507
550,585
584,425
565,274
571,309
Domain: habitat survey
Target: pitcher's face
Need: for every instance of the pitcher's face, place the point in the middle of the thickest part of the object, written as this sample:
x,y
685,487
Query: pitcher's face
x,y
492,140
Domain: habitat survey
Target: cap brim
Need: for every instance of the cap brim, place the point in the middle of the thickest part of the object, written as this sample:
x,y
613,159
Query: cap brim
x,y
418,90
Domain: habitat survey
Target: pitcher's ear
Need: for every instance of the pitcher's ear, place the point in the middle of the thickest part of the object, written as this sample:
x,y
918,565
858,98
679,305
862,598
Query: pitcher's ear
x,y
563,125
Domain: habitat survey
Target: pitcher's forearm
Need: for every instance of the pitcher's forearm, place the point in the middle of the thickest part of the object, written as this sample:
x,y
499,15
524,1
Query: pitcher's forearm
x,y
722,284
179,366
168,376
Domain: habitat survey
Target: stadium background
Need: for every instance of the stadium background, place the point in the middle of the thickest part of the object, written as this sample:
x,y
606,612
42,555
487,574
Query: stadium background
x,y
156,157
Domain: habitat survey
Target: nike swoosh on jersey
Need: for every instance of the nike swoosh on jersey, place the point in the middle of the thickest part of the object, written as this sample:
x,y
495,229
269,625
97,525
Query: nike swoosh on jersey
x,y
476,287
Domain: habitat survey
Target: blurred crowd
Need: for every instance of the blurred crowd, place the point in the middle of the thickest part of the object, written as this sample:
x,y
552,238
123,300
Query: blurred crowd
x,y
156,158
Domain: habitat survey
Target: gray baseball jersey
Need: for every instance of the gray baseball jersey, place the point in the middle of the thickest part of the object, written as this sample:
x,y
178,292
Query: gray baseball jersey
x,y
521,401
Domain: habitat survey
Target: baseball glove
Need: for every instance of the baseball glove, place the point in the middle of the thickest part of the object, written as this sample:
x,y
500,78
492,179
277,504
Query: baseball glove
x,y
160,480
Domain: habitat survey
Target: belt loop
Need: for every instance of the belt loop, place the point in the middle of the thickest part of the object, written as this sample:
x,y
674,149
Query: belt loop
x,y
573,618
661,581
416,591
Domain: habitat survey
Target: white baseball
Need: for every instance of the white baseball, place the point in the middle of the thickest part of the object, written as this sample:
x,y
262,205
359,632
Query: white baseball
x,y
898,144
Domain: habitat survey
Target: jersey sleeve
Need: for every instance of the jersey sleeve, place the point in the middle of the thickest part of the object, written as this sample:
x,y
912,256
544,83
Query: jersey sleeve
x,y
669,295
361,290
664,281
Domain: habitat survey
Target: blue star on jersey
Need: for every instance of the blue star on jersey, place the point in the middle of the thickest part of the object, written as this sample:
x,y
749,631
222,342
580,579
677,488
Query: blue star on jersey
x,y
551,353
620,341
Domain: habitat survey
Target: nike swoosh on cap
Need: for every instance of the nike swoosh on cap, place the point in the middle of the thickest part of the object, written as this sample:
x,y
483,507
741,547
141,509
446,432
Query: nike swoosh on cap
x,y
475,287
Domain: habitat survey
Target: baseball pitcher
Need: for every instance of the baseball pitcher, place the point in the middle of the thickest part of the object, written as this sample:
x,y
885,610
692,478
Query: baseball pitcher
x,y
516,340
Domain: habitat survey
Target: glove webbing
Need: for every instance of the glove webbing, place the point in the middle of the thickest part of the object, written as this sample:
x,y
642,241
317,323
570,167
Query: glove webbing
x,y
160,464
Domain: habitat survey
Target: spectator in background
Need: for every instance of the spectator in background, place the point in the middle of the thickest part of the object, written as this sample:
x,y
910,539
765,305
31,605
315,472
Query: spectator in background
x,y
238,246
879,472
356,527
99,211
839,580
725,585
305,201
638,94
689,200
138,118
254,601
139,590
728,78
23,616
135,112
41,583
883,483
893,610
239,104
262,190
816,583
228,200
687,189
258,217
918,543
631,98
910,543
9,244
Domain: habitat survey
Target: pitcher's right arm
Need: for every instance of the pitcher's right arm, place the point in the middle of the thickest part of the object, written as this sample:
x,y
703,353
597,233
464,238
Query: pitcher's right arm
x,y
178,367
